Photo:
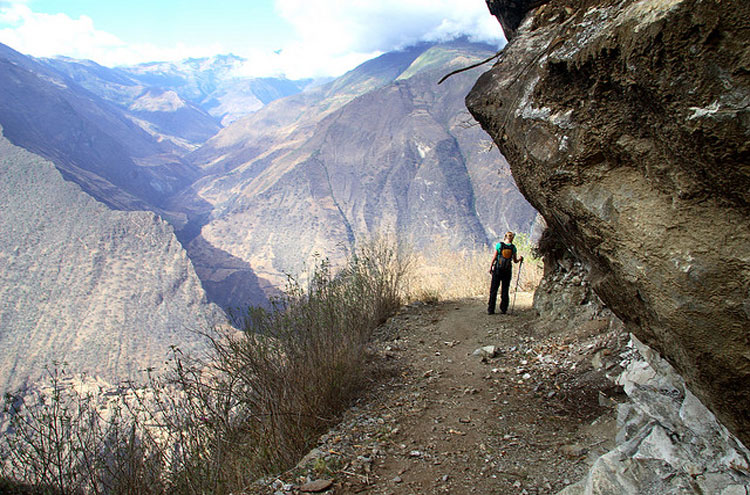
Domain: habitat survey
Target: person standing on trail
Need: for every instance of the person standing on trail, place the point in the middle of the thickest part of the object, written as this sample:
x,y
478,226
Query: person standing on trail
x,y
502,271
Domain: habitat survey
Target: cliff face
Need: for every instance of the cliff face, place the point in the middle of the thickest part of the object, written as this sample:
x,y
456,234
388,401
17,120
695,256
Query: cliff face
x,y
107,292
626,125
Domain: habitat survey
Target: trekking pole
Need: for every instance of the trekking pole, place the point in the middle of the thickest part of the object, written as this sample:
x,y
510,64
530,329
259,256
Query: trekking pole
x,y
518,279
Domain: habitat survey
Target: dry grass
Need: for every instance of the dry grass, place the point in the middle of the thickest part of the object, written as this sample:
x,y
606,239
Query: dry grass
x,y
450,274
254,406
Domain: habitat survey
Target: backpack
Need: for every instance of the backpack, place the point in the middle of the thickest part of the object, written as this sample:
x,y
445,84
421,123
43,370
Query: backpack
x,y
505,256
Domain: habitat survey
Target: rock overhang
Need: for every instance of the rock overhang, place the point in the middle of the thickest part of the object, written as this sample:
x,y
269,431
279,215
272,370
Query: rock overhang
x,y
626,125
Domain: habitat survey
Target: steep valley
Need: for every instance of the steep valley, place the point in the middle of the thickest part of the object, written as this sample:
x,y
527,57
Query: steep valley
x,y
86,288
91,141
305,167
382,149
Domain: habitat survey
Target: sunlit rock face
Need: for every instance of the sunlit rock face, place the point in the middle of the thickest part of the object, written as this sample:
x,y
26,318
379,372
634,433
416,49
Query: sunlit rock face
x,y
626,125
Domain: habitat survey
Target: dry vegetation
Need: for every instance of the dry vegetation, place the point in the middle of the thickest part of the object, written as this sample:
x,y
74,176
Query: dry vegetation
x,y
448,274
253,406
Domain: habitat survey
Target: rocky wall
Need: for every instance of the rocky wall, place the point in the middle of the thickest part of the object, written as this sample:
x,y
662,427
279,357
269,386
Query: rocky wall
x,y
565,292
626,125
668,442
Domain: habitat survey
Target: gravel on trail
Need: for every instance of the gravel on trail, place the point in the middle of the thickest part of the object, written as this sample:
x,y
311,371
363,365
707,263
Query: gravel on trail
x,y
527,414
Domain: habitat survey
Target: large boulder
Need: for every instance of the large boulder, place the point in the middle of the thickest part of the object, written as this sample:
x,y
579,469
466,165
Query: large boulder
x,y
626,125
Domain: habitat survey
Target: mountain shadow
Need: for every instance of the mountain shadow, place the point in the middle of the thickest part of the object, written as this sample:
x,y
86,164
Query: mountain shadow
x,y
229,281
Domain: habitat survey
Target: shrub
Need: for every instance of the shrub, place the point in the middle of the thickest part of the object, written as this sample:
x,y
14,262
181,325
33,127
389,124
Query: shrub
x,y
253,405
61,441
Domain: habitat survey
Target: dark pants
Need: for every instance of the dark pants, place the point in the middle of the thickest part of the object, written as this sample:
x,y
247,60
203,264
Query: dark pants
x,y
500,277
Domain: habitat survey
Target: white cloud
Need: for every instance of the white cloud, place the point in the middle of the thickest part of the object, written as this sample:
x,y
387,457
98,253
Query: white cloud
x,y
328,37
47,35
44,34
299,61
333,36
357,25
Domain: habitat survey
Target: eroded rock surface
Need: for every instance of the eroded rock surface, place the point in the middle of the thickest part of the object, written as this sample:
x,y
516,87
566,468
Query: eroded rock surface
x,y
626,125
565,293
668,442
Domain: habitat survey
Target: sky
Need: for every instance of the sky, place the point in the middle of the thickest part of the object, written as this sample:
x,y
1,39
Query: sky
x,y
295,38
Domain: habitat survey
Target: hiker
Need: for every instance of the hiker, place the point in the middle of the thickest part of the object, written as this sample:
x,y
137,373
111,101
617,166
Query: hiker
x,y
502,271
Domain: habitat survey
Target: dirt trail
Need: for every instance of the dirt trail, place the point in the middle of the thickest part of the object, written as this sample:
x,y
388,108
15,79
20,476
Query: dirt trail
x,y
528,420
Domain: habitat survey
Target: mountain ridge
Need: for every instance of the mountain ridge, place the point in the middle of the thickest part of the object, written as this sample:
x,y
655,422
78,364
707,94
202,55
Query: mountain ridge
x,y
106,292
314,146
88,139
311,167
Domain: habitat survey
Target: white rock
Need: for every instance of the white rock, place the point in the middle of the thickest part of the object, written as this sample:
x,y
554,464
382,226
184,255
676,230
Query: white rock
x,y
736,490
668,441
488,351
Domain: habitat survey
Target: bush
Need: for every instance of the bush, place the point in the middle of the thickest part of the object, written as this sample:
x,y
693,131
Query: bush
x,y
252,406
58,441
287,376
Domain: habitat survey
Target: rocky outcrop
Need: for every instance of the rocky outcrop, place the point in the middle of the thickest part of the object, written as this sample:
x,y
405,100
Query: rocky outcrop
x,y
626,125
97,291
668,442
510,13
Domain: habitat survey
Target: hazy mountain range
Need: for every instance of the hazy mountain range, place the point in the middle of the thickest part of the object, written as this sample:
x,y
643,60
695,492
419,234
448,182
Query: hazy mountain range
x,y
92,289
256,176
212,85
380,149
